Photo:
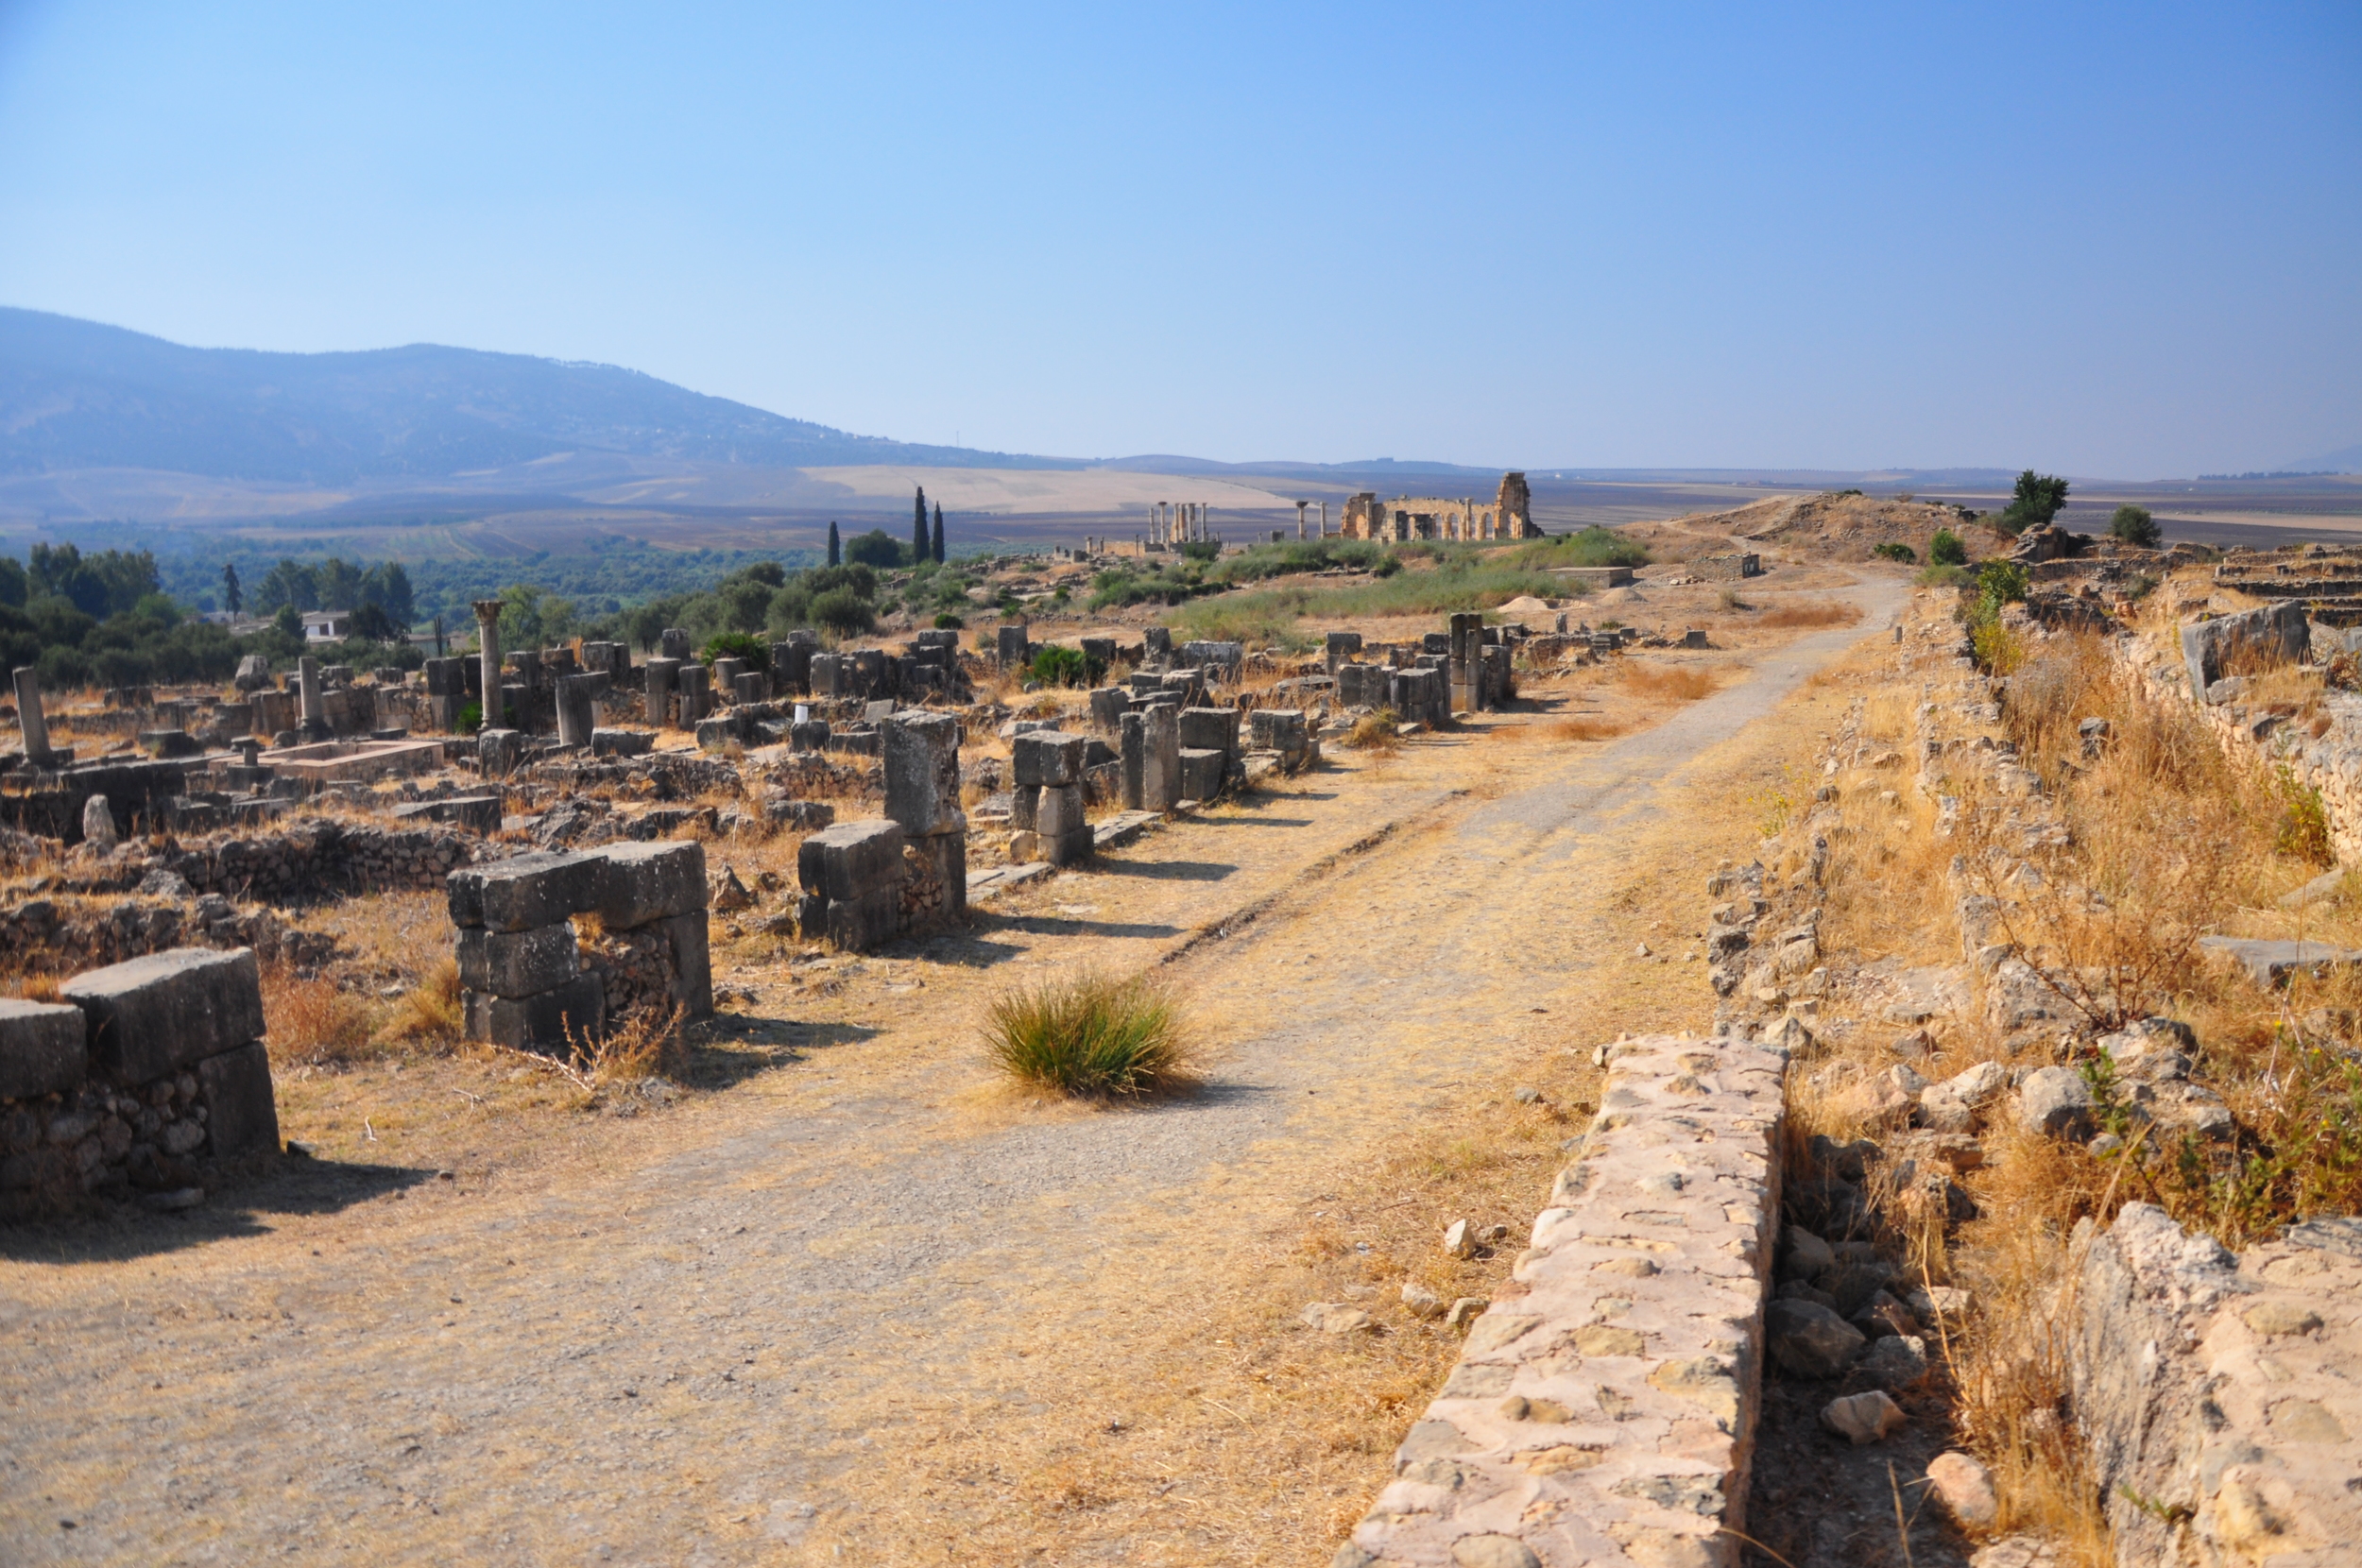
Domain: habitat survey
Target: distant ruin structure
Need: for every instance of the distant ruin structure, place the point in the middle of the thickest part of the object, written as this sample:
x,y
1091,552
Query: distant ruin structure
x,y
1408,517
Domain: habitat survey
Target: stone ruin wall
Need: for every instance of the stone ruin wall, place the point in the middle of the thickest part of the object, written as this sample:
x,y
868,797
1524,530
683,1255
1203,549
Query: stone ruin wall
x,y
148,1078
1508,516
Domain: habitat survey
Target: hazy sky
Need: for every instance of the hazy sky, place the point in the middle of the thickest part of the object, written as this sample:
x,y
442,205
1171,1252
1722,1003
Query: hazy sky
x,y
2113,240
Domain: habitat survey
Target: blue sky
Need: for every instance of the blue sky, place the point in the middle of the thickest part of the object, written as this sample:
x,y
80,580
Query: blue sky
x,y
2119,241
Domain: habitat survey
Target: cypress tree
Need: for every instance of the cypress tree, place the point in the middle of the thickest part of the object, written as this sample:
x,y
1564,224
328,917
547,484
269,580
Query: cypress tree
x,y
938,549
836,552
234,597
918,527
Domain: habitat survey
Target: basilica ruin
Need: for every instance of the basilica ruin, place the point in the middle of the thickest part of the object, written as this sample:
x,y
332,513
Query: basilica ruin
x,y
1408,517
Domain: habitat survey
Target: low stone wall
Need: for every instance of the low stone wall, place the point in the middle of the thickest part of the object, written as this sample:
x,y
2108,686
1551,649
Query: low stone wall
x,y
1603,1408
150,1077
2217,1393
321,857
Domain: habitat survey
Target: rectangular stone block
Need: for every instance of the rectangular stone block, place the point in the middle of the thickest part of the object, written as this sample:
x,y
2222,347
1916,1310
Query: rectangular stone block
x,y
1278,729
662,677
693,964
851,860
41,1048
1048,756
854,925
922,771
1059,811
823,674
1218,660
155,1014
518,964
947,857
1100,652
1203,773
622,743
554,1021
539,889
241,1111
751,686
1068,848
447,677
640,882
1024,807
1013,647
1109,704
1160,759
1210,729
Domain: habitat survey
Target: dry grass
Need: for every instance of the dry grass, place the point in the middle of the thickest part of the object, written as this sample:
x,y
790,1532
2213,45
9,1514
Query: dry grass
x,y
1585,728
1679,682
429,1013
1376,732
312,1022
1818,612
1089,1036
42,988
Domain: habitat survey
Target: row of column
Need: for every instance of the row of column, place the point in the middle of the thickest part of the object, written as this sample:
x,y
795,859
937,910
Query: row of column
x,y
1179,522
1303,506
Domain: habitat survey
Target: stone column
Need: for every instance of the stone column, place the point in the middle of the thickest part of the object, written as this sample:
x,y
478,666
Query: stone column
x,y
487,631
1301,506
577,710
312,722
660,674
30,721
1324,520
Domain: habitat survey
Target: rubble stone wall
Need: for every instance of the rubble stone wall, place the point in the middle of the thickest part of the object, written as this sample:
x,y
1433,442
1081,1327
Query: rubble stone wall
x,y
148,1077
1603,1408
326,856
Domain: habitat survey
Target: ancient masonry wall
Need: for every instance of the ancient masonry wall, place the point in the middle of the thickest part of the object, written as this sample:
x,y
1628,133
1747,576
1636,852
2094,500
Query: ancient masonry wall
x,y
323,857
149,1078
1603,1408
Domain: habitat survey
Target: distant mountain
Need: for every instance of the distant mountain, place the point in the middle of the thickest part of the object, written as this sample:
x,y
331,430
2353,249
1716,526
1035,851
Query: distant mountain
x,y
78,395
2344,460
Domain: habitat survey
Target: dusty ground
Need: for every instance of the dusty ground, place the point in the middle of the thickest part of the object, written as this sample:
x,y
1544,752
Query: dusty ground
x,y
868,1305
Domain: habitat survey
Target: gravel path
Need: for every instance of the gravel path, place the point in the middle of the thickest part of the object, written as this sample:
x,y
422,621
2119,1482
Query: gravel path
x,y
676,1349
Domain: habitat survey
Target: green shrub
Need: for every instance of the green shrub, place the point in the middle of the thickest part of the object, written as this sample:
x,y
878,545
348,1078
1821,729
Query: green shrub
x,y
1893,551
2034,501
471,718
1088,1036
2303,830
745,647
1593,546
2134,525
1946,549
1058,666
875,548
1941,576
844,612
1201,549
1386,566
947,621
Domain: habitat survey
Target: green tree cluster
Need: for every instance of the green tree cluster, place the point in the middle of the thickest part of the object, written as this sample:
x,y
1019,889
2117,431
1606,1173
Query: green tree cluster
x,y
2134,526
2035,501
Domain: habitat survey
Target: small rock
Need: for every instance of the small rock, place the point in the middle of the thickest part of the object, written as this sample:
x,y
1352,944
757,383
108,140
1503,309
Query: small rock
x,y
1945,1303
1943,1111
1978,1085
1458,1241
1465,1311
1641,952
1527,1096
2017,1552
1336,1318
1493,1551
729,892
1493,1236
2271,1318
98,826
1863,1417
173,1202
1897,1361
1420,1301
2054,1101
1810,1340
1964,1486
1808,1255
2103,1146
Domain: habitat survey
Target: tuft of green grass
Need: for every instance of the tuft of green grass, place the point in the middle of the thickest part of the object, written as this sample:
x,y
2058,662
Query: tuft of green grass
x,y
1089,1036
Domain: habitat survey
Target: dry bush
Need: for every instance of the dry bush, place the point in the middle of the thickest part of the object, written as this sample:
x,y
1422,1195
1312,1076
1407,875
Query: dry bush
x,y
42,988
1586,727
309,1020
1682,682
1376,731
1089,1036
1817,612
644,1044
429,1013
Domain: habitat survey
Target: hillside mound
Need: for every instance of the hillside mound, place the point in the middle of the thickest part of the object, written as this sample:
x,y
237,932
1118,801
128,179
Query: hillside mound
x,y
1844,527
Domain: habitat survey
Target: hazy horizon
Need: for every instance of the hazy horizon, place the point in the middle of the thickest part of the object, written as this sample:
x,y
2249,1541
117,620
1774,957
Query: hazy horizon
x,y
2104,242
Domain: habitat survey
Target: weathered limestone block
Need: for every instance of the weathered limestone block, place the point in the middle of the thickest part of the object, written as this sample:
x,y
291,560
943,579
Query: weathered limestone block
x,y
499,751
577,708
555,1019
636,884
2222,1386
241,1111
1210,729
692,964
1603,1407
1159,760
518,964
539,889
1203,773
662,677
1012,647
1048,758
1341,648
1109,705
152,1015
41,1048
851,875
922,772
2245,644
1218,660
1132,751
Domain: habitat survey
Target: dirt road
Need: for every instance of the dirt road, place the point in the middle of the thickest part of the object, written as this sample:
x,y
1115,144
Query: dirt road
x,y
830,1313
